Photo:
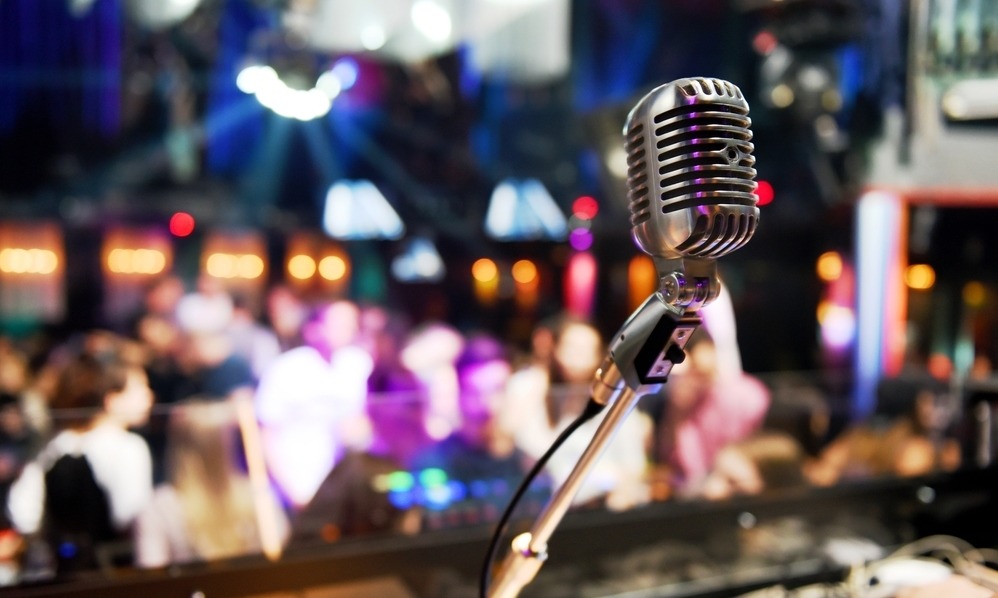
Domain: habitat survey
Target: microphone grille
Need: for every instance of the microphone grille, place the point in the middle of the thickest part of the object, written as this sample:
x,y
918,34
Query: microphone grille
x,y
691,187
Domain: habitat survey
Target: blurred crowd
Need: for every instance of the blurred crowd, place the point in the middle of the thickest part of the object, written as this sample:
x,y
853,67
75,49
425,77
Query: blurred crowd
x,y
207,428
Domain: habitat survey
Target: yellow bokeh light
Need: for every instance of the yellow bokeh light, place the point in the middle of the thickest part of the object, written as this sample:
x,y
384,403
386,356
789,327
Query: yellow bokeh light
x,y
332,267
119,261
222,265
17,260
43,260
148,261
920,277
484,270
301,267
829,266
524,271
136,261
822,312
14,260
974,294
782,95
249,266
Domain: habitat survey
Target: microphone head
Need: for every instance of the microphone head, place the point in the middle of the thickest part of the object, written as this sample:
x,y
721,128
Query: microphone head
x,y
690,170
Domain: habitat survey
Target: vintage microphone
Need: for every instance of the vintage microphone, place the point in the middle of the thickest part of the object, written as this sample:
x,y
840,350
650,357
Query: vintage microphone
x,y
691,193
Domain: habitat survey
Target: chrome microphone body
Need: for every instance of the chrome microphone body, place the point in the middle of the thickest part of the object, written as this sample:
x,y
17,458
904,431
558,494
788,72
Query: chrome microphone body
x,y
691,193
691,182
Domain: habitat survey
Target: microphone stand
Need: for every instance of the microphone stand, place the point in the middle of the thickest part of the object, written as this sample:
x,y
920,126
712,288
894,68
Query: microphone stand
x,y
640,358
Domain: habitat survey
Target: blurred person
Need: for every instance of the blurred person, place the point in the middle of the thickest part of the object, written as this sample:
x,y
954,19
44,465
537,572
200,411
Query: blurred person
x,y
354,499
397,399
543,398
429,354
285,314
382,333
802,411
910,438
16,379
479,456
159,299
207,358
763,462
161,342
163,295
208,508
704,406
13,367
308,398
251,339
17,444
719,322
89,482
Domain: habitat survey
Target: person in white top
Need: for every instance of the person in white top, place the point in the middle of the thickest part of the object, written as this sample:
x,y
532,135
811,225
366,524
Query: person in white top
x,y
95,402
543,398
310,397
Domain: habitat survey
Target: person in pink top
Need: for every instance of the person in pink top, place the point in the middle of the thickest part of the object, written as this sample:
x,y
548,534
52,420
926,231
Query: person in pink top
x,y
708,406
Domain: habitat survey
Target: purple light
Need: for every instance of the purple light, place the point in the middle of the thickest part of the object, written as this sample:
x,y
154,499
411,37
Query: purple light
x,y
580,239
346,71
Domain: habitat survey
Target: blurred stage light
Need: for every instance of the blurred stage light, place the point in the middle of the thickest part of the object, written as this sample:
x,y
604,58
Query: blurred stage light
x,y
419,262
585,207
236,259
642,280
838,325
346,70
160,14
373,37
522,210
432,20
357,210
301,267
18,260
484,270
181,224
136,261
485,277
32,268
580,285
974,294
765,192
829,266
333,268
580,239
920,277
292,95
523,41
233,266
524,272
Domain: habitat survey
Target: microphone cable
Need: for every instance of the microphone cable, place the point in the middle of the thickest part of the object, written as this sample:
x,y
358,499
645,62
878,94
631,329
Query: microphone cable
x,y
592,410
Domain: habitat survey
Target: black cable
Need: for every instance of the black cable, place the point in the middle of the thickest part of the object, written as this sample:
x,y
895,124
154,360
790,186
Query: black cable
x,y
592,409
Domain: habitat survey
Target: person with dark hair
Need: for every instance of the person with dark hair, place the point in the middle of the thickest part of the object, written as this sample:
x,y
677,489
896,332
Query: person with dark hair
x,y
89,482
